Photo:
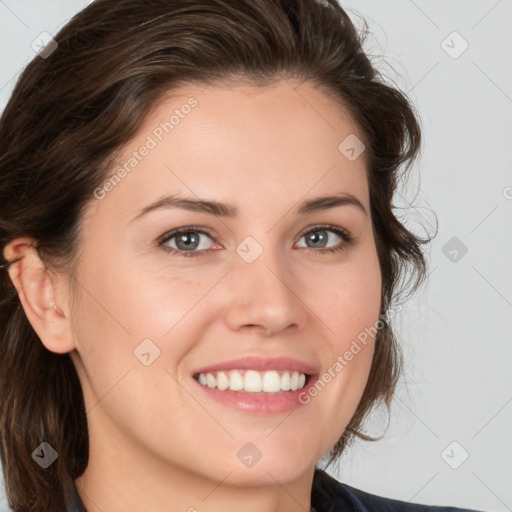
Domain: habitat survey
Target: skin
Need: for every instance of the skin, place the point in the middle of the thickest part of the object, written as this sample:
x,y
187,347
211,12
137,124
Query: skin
x,y
157,442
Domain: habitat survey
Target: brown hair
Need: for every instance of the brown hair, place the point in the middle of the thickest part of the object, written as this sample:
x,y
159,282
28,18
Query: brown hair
x,y
72,111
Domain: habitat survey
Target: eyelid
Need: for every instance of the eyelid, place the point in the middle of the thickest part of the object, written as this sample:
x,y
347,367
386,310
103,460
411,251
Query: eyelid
x,y
341,232
329,227
199,229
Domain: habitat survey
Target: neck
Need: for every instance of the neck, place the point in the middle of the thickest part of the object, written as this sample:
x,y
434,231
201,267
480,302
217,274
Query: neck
x,y
117,481
140,494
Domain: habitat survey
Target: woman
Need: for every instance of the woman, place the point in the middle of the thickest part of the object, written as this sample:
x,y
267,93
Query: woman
x,y
201,255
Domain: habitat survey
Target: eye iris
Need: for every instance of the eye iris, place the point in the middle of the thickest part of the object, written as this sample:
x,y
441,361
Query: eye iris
x,y
189,239
314,237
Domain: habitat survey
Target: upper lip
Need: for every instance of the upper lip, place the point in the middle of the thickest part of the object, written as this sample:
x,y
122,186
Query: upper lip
x,y
260,363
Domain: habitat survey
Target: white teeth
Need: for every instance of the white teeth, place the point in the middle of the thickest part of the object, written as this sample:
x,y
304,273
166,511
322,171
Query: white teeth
x,y
252,381
222,381
236,381
211,382
294,381
285,381
271,382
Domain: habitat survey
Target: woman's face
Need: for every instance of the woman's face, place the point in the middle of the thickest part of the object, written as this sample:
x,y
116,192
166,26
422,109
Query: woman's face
x,y
254,278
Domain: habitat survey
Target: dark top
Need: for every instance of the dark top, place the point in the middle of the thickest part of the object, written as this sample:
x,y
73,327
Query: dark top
x,y
329,495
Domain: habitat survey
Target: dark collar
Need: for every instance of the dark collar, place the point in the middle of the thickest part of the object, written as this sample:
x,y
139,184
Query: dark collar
x,y
329,495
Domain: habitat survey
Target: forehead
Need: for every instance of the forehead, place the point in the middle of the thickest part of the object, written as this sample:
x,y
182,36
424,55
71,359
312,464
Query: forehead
x,y
286,114
242,142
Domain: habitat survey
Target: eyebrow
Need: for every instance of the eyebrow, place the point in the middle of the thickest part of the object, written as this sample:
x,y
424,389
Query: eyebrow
x,y
225,210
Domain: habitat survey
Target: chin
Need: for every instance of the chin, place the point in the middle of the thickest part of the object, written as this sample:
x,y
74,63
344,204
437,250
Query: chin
x,y
266,471
266,475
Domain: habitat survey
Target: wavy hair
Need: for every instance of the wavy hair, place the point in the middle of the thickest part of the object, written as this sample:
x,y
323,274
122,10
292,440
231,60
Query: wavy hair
x,y
74,108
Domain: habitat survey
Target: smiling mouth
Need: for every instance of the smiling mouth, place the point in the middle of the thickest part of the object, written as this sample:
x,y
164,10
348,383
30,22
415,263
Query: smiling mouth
x,y
253,381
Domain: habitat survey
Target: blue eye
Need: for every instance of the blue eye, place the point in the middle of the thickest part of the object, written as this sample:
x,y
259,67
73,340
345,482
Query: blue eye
x,y
320,235
186,242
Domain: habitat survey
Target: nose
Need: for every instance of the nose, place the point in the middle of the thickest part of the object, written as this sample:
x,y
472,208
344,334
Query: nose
x,y
265,297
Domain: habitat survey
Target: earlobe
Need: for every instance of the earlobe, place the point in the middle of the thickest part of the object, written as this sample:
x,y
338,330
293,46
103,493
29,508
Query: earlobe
x,y
37,291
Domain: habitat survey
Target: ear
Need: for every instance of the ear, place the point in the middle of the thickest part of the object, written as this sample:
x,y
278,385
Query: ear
x,y
43,295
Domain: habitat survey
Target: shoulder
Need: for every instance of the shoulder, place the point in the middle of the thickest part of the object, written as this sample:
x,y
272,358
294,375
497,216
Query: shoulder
x,y
329,495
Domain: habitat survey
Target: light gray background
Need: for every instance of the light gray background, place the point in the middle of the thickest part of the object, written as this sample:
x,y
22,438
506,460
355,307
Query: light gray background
x,y
455,333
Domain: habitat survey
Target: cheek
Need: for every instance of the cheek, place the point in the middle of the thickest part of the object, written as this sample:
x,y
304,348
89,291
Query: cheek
x,y
157,301
125,312
139,301
348,299
349,307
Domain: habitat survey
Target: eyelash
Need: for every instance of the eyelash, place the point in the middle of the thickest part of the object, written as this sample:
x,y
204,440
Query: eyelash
x,y
342,233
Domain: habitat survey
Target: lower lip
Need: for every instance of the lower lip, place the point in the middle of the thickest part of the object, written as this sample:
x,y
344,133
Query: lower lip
x,y
261,403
